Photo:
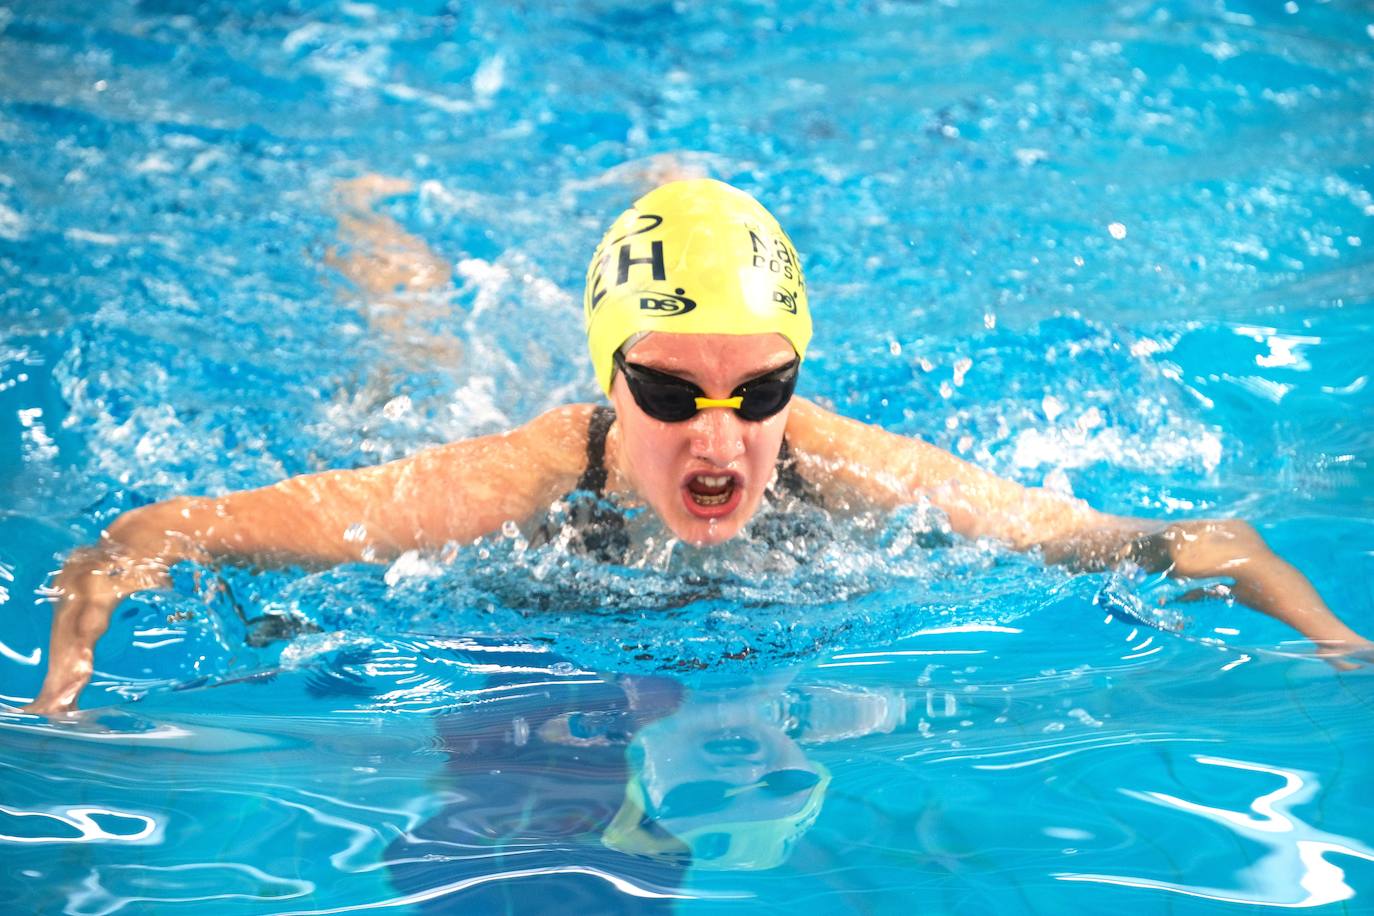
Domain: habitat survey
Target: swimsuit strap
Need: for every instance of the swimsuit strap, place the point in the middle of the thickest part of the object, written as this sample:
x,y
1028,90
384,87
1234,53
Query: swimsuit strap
x,y
790,481
593,479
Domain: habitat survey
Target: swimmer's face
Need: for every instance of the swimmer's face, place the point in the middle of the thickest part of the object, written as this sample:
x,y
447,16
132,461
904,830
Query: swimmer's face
x,y
704,476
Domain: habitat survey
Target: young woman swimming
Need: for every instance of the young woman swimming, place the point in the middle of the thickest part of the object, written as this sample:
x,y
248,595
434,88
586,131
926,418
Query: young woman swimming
x,y
697,320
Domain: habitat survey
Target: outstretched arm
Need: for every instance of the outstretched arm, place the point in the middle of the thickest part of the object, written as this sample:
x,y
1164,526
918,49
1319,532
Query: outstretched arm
x,y
454,492
885,470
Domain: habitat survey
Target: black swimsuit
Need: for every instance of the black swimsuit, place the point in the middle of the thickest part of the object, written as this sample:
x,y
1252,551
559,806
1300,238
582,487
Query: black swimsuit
x,y
597,527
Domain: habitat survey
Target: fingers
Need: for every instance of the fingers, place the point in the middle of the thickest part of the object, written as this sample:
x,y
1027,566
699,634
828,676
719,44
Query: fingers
x,y
1344,655
48,707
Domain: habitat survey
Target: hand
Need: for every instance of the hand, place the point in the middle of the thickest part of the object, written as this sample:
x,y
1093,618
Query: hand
x,y
89,587
1348,656
1261,579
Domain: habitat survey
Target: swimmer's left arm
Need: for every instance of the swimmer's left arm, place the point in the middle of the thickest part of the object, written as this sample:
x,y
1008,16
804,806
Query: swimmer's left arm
x,y
1211,548
886,470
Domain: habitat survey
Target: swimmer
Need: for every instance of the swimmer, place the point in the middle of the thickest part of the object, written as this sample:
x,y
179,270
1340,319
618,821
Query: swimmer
x,y
697,320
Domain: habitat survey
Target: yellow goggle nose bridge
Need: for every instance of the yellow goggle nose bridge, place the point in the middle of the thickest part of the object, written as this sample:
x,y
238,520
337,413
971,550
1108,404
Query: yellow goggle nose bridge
x,y
733,403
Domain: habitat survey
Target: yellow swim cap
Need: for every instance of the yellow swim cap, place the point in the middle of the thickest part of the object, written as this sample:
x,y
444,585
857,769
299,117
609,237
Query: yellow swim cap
x,y
735,842
693,257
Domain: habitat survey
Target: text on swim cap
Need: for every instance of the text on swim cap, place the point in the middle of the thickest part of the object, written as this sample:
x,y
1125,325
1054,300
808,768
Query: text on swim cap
x,y
655,258
777,257
625,260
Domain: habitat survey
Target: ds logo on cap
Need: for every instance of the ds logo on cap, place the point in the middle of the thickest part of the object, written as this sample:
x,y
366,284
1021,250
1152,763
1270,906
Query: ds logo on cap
x,y
665,304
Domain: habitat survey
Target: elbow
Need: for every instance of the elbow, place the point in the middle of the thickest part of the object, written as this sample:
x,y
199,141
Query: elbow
x,y
1219,533
1213,548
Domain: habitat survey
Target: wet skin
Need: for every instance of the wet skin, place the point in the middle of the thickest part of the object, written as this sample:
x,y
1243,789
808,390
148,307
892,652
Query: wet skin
x,y
662,462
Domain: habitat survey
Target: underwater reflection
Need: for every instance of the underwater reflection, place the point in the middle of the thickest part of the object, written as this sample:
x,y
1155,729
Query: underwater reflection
x,y
600,794
1294,872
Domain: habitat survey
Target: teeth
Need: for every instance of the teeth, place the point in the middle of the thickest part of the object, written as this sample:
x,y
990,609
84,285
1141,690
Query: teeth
x,y
719,488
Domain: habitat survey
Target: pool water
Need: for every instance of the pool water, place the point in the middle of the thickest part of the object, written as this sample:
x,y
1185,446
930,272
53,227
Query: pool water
x,y
1123,251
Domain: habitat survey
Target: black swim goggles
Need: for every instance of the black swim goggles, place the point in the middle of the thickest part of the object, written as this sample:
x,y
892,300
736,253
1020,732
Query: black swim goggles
x,y
671,399
712,796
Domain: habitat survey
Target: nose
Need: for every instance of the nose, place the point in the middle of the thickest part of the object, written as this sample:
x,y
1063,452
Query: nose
x,y
717,435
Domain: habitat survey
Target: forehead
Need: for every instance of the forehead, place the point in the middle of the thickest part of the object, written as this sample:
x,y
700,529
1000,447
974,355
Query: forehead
x,y
712,355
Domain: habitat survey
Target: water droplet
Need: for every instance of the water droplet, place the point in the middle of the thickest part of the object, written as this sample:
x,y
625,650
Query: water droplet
x,y
397,407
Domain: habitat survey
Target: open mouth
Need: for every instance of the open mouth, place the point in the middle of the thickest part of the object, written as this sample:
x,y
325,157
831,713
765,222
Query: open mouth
x,y
712,495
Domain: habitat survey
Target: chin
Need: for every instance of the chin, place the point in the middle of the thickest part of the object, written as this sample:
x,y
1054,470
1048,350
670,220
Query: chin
x,y
703,532
706,534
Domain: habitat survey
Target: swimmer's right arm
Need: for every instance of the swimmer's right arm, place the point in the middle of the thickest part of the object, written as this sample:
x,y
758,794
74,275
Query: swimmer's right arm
x,y
452,493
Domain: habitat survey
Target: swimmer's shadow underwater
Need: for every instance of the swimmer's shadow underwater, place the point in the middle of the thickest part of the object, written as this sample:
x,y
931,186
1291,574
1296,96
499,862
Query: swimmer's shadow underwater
x,y
544,784
497,773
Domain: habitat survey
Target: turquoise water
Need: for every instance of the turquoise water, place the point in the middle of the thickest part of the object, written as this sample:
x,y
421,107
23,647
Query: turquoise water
x,y
1123,251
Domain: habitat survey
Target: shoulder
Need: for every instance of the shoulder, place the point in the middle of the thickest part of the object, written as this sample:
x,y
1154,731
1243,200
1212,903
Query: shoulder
x,y
567,424
556,440
541,455
835,456
821,433
860,461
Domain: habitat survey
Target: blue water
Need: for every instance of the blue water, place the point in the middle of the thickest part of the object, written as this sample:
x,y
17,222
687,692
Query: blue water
x,y
1122,251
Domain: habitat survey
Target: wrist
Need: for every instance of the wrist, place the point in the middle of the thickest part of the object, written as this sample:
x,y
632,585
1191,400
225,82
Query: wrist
x,y
153,533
